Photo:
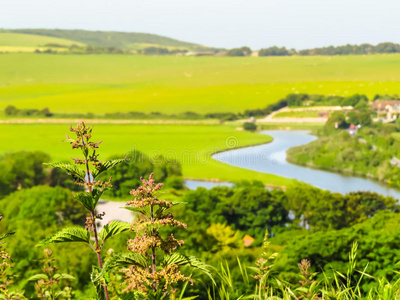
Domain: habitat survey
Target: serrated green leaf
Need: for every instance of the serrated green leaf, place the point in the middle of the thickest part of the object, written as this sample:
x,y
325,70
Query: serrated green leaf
x,y
69,234
188,261
74,171
126,259
89,200
63,276
4,236
38,277
106,166
85,199
113,228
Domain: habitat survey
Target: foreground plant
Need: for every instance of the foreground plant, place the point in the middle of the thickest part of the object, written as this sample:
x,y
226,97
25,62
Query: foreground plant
x,y
5,274
152,266
84,172
47,282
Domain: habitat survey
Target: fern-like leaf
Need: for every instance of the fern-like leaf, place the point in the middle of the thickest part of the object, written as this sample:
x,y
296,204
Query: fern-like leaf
x,y
76,173
126,259
113,228
106,166
69,234
6,235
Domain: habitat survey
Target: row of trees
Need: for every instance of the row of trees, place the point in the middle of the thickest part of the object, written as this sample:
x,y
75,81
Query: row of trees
x,y
24,169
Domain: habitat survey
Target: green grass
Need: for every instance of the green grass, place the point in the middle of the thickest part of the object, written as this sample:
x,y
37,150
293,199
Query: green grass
x,y
111,83
297,114
192,145
30,40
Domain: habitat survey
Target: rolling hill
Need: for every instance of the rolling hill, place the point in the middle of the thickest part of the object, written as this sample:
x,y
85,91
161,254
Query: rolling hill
x,y
120,40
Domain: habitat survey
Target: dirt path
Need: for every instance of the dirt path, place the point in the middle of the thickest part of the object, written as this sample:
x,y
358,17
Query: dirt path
x,y
272,119
114,211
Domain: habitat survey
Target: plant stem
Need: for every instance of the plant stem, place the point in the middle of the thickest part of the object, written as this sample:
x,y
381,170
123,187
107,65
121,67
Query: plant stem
x,y
96,239
153,253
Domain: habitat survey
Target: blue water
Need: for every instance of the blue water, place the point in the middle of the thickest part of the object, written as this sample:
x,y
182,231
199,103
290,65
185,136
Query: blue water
x,y
271,158
194,184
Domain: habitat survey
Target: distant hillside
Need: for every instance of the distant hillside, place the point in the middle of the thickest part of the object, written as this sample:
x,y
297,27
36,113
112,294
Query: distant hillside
x,y
120,40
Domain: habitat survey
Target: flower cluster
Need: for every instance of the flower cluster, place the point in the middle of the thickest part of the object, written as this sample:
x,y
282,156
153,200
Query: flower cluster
x,y
148,241
147,189
83,135
138,278
142,244
5,265
44,287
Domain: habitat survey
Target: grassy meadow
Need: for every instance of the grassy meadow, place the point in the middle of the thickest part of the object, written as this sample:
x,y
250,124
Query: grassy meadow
x,y
112,83
192,145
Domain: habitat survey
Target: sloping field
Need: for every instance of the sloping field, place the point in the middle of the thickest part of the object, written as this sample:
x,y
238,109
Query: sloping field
x,y
121,40
111,83
31,40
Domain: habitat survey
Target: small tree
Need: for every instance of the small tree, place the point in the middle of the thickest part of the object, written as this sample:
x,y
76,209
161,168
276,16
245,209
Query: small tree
x,y
250,126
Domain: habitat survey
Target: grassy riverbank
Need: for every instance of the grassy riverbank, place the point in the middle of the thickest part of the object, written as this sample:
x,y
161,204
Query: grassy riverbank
x,y
191,145
368,154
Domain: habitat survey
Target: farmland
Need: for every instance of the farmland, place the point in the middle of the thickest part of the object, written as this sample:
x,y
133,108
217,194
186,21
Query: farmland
x,y
112,83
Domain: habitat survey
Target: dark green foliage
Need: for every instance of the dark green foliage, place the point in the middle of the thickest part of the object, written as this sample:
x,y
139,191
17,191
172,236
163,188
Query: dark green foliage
x,y
379,244
353,49
21,170
35,213
251,210
126,175
47,204
155,51
266,111
274,51
336,118
324,100
321,210
362,118
243,51
250,126
12,111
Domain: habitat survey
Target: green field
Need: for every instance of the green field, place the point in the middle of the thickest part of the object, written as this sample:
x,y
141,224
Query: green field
x,y
192,145
18,42
111,83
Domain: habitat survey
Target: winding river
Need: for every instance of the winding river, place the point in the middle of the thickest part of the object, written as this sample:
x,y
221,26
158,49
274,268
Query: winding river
x,y
271,158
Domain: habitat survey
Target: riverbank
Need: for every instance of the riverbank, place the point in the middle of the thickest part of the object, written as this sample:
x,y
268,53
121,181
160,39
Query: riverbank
x,y
339,152
271,158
